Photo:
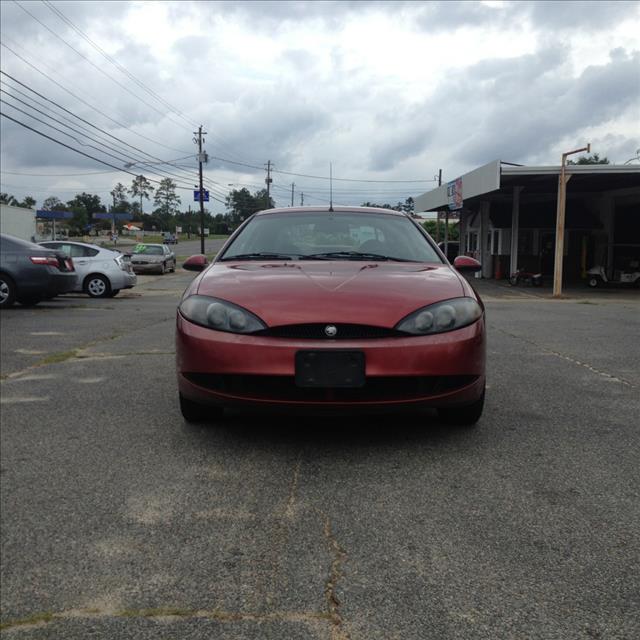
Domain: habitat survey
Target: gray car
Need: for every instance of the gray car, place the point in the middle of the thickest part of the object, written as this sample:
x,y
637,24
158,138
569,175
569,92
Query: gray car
x,y
154,258
102,273
30,273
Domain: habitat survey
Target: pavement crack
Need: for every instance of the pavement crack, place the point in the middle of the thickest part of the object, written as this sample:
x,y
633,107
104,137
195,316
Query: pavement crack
x,y
339,557
291,501
562,356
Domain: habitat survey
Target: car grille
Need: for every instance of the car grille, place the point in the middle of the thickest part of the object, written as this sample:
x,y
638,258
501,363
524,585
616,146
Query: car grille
x,y
284,388
317,332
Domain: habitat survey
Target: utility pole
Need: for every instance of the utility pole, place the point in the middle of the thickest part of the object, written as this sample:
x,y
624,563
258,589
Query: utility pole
x,y
293,184
301,199
202,157
562,200
268,180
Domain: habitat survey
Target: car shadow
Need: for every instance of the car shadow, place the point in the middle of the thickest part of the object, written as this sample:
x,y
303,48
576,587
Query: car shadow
x,y
331,431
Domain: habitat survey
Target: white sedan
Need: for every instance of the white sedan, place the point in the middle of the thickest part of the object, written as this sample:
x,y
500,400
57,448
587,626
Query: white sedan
x,y
102,273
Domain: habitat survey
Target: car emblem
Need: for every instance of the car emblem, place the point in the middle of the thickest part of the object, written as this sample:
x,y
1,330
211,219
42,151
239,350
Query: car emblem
x,y
331,330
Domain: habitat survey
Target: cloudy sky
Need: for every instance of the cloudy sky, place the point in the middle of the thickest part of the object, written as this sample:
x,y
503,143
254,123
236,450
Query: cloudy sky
x,y
387,93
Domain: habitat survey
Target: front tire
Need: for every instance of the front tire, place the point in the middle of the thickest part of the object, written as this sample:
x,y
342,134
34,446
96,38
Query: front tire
x,y
593,281
97,286
513,281
163,268
7,291
194,412
466,416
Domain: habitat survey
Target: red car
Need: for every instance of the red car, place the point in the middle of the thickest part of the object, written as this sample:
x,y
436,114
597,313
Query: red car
x,y
310,308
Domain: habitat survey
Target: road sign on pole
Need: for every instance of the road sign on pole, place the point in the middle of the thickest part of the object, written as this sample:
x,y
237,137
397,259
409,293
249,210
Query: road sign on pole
x,y
205,196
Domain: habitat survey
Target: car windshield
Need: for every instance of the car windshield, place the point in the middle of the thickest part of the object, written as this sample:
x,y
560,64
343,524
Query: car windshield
x,y
148,250
331,236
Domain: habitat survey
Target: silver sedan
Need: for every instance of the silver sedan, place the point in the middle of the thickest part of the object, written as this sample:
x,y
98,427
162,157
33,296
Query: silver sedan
x,y
155,258
101,272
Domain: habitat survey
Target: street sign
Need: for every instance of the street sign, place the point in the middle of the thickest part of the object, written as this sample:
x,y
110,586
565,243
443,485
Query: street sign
x,y
178,229
206,231
205,196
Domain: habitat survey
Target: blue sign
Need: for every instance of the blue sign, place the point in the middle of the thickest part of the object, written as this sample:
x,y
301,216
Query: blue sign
x,y
54,215
112,216
205,196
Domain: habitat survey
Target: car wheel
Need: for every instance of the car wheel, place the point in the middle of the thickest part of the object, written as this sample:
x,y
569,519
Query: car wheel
x,y
173,267
7,291
97,286
114,293
195,412
593,281
513,281
163,268
463,416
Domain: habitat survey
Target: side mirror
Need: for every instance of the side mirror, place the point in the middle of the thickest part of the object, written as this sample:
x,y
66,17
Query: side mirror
x,y
195,263
465,264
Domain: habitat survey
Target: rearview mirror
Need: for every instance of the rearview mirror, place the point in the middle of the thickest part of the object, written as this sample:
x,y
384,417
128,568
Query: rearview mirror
x,y
466,264
195,263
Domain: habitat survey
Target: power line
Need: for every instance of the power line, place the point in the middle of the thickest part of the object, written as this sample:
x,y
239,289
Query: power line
x,y
44,135
106,133
116,64
304,175
95,66
76,97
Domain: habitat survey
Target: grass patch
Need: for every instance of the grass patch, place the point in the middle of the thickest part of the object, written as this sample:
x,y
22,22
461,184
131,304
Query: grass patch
x,y
36,618
62,356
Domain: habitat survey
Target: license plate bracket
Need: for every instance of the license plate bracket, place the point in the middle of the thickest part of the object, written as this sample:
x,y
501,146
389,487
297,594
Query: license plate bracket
x,y
335,368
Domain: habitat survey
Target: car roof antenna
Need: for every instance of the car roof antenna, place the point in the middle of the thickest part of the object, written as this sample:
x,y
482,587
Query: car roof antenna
x,y
330,187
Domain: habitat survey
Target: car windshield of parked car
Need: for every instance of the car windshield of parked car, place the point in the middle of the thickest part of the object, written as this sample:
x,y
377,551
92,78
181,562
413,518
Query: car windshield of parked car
x,y
331,235
148,250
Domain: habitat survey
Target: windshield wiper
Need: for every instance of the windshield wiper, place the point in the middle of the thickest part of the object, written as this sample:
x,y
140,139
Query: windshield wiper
x,y
351,255
265,255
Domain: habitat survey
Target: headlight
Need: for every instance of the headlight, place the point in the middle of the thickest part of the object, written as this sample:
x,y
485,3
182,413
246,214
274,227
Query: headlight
x,y
441,316
221,315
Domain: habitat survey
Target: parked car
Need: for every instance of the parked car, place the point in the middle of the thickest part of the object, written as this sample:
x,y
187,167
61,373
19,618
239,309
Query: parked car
x,y
170,238
297,312
30,273
102,273
157,258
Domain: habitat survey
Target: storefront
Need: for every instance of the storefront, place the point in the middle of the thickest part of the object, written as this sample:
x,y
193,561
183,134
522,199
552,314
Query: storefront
x,y
508,217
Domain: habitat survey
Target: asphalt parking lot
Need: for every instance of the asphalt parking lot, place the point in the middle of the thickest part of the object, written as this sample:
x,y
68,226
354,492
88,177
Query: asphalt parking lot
x,y
119,520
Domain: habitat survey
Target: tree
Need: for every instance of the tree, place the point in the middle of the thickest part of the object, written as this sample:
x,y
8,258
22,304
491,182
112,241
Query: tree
x,y
241,204
167,202
27,203
407,206
54,204
7,198
430,228
594,159
120,202
83,206
141,188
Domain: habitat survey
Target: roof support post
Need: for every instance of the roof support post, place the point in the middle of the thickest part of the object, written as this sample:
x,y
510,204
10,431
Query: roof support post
x,y
515,228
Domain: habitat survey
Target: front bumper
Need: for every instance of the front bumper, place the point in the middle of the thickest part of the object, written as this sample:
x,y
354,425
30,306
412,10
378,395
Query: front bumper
x,y
146,267
239,370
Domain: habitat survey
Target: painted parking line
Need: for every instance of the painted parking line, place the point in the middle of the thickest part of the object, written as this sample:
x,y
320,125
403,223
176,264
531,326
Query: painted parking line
x,y
24,399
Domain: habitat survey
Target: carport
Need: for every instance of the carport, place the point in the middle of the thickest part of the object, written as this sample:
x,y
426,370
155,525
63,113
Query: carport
x,y
508,217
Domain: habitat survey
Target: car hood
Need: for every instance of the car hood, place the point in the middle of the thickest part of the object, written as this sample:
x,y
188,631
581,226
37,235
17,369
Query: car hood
x,y
355,292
